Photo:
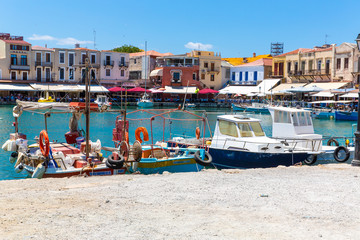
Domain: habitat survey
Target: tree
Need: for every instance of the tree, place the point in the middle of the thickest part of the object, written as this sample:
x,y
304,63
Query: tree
x,y
127,49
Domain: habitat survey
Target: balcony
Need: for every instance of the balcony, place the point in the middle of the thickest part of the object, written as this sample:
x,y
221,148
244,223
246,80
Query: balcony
x,y
123,64
213,70
109,63
43,64
175,65
323,74
19,67
276,74
91,64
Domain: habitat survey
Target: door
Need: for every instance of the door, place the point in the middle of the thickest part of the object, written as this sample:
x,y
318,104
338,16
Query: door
x,y
281,69
25,76
47,74
38,74
212,66
327,67
107,61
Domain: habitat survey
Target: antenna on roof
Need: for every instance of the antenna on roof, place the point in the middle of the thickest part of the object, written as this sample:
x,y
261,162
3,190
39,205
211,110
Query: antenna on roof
x,y
94,32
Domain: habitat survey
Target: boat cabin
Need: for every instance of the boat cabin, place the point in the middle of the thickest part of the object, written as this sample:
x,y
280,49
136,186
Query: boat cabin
x,y
295,123
241,132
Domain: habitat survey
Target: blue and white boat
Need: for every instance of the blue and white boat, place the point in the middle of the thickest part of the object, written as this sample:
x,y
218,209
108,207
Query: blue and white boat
x,y
145,102
346,116
240,142
258,108
237,107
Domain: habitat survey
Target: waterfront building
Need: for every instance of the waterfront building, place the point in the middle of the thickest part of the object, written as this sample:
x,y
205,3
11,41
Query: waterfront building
x,y
141,65
244,60
209,68
42,58
15,54
114,68
225,73
326,63
251,73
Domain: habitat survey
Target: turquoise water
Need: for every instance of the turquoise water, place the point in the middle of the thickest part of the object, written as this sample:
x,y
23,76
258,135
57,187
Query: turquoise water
x,y
101,125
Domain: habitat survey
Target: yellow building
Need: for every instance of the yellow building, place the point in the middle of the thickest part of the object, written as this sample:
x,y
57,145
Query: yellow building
x,y
209,68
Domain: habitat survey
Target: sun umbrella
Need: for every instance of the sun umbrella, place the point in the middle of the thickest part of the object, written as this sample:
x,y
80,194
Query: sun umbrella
x,y
116,89
139,90
207,90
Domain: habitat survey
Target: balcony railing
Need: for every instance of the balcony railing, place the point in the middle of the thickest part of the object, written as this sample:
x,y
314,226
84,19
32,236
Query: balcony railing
x,y
215,69
19,67
123,64
109,63
313,72
43,80
43,64
276,74
176,65
91,64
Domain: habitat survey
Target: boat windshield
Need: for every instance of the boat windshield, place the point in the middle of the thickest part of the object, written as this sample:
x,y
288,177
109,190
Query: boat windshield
x,y
228,128
257,129
245,130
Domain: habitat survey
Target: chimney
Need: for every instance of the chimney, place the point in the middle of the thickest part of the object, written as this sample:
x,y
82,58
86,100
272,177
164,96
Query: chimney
x,y
254,54
77,45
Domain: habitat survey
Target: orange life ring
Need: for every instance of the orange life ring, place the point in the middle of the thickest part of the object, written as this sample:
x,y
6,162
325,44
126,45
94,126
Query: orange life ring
x,y
197,133
145,134
44,149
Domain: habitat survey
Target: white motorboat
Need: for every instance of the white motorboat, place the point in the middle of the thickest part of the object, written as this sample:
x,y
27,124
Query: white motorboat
x,y
145,102
295,127
102,100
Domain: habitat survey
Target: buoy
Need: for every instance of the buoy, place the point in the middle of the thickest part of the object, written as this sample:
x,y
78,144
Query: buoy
x,y
19,168
39,171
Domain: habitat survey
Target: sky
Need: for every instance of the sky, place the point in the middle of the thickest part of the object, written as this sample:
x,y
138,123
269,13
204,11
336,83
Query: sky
x,y
235,28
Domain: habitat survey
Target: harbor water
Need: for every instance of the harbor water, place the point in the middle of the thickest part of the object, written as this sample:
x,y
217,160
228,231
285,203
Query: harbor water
x,y
102,124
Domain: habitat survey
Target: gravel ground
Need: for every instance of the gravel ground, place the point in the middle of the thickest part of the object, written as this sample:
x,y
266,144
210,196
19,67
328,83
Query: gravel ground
x,y
317,202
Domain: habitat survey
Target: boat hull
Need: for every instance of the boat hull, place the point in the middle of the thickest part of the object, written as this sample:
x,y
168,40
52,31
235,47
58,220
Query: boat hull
x,y
224,158
238,107
60,173
346,116
153,165
257,110
324,115
145,104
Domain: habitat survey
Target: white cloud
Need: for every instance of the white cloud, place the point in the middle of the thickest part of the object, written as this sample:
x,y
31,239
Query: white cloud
x,y
198,46
59,41
36,37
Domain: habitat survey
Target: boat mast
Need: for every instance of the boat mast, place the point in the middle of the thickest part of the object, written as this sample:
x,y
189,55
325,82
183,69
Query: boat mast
x,y
87,106
145,66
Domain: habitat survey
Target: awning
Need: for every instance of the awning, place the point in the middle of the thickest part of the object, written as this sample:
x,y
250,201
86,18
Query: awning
x,y
56,87
327,85
350,95
243,90
94,88
323,94
267,84
286,86
180,90
156,72
15,87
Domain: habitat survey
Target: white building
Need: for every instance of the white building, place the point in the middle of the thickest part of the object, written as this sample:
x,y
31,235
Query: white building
x,y
251,73
114,67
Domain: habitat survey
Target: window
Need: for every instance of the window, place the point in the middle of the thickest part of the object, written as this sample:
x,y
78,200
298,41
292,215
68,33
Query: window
x,y
71,74
122,61
108,72
176,77
122,73
319,65
257,129
61,57
93,58
296,67
134,60
13,75
83,75
212,77
107,60
255,75
303,63
83,58
203,76
62,74
71,59
338,63
25,76
346,63
232,76
47,57
240,76
38,74
23,60
246,76
289,67
227,73
206,64
194,76
13,59
281,117
310,65
245,130
228,128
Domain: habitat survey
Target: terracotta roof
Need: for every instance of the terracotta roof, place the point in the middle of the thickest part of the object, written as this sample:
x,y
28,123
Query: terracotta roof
x,y
86,49
240,61
260,62
320,49
150,53
41,48
16,42
294,52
